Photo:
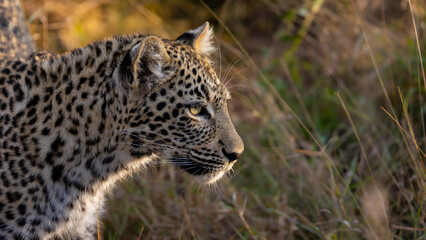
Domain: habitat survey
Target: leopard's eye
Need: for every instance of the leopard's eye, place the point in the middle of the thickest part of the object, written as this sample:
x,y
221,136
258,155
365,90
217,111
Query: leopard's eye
x,y
195,109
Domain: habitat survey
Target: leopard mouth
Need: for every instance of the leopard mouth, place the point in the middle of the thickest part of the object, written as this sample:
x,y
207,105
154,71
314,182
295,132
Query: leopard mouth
x,y
203,173
195,168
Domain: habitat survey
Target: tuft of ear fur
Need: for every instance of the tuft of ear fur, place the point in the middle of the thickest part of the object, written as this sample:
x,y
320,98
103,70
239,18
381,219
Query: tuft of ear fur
x,y
204,42
201,39
150,57
142,68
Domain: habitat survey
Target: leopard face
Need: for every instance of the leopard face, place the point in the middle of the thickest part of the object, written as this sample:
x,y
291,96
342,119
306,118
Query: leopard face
x,y
181,115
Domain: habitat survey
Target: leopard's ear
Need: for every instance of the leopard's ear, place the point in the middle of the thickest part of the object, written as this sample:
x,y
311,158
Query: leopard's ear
x,y
143,67
200,39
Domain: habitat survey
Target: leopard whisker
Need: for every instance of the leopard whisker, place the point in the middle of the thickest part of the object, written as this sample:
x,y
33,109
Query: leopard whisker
x,y
235,74
244,97
245,86
234,62
155,145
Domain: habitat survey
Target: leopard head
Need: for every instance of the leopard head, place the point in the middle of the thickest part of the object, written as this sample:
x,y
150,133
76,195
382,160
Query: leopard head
x,y
177,105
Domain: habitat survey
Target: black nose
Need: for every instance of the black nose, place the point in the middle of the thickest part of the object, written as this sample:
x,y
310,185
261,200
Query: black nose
x,y
232,156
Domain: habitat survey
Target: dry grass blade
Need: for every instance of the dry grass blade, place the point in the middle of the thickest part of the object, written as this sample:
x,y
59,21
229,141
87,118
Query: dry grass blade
x,y
188,221
408,134
140,233
363,154
413,137
417,43
373,60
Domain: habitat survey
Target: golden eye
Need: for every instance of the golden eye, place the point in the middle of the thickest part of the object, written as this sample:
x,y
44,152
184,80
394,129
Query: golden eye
x,y
195,109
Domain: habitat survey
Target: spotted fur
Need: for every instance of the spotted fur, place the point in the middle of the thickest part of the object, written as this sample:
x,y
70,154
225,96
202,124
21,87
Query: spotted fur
x,y
72,125
15,40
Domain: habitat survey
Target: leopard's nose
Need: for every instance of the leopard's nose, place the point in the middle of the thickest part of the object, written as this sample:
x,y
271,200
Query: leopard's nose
x,y
232,156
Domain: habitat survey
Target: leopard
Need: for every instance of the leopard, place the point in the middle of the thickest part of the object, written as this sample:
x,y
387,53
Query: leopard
x,y
73,125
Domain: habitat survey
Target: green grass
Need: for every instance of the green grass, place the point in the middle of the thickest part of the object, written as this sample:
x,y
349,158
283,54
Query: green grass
x,y
329,98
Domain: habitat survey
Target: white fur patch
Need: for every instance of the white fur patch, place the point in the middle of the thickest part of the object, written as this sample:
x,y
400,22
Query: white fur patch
x,y
204,42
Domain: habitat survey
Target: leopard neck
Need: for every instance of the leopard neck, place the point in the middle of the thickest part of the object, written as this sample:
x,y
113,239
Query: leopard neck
x,y
80,89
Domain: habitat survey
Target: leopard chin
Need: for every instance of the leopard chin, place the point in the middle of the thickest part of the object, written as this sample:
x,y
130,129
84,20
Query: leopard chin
x,y
210,178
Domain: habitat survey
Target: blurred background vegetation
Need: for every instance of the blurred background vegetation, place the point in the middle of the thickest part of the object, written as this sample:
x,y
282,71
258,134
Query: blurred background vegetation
x,y
328,96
